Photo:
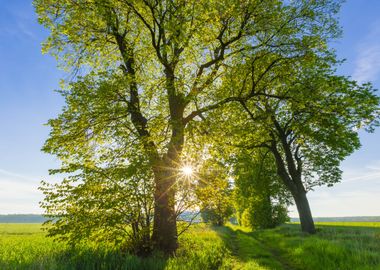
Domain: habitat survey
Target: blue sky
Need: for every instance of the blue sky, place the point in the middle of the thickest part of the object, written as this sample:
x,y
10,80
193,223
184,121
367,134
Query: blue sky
x,y
27,100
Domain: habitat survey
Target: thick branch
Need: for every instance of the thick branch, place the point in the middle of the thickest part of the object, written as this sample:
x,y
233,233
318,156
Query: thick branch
x,y
281,169
293,171
198,112
137,118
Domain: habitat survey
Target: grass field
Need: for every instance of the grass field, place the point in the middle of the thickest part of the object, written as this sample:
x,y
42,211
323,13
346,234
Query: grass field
x,y
337,246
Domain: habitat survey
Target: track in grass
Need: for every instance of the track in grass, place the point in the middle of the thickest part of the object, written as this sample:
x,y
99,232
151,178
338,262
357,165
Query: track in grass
x,y
248,252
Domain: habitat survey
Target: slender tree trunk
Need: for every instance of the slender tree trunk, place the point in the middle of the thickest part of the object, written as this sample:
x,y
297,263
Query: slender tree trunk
x,y
165,227
304,212
293,182
298,192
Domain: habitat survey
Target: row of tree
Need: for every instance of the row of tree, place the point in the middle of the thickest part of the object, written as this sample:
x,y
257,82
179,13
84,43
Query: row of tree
x,y
160,84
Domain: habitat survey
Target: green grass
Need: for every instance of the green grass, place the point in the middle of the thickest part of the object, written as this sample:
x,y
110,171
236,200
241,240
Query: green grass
x,y
343,245
351,224
24,246
336,246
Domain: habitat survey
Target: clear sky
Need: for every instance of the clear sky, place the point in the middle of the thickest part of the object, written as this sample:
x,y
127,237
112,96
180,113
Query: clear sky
x,y
27,100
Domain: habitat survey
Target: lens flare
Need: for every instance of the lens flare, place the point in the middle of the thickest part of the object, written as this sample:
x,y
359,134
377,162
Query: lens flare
x,y
187,170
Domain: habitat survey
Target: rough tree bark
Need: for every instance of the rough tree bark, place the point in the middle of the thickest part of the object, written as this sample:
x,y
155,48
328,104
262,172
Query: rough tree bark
x,y
295,186
306,218
165,227
164,235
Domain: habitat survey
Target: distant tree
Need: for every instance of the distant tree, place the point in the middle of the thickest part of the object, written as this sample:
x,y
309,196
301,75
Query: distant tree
x,y
215,193
261,199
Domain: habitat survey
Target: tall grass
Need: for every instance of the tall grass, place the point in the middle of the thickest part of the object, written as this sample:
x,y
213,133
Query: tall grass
x,y
24,246
336,246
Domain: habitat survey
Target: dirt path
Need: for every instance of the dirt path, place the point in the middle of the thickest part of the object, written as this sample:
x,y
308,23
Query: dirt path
x,y
277,255
251,253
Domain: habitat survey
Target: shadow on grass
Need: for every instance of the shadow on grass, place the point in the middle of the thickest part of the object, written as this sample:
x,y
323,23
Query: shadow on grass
x,y
250,252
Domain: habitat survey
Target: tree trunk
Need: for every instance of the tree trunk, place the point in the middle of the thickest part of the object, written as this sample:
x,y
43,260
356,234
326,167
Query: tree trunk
x,y
165,227
293,181
304,212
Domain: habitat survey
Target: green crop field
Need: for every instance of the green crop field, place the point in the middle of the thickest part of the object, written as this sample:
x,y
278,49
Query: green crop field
x,y
338,245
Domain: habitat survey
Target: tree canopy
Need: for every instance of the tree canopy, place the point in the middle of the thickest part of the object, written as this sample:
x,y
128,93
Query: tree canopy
x,y
150,78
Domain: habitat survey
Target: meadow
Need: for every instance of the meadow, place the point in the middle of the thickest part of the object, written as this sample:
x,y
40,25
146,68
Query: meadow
x,y
337,245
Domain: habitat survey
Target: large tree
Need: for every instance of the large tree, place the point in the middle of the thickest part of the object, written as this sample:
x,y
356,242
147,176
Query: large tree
x,y
149,68
315,131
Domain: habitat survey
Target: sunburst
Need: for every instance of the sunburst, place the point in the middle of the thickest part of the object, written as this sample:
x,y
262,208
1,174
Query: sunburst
x,y
187,170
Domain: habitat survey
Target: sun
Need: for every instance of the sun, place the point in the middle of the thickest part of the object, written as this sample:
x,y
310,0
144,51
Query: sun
x,y
187,170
